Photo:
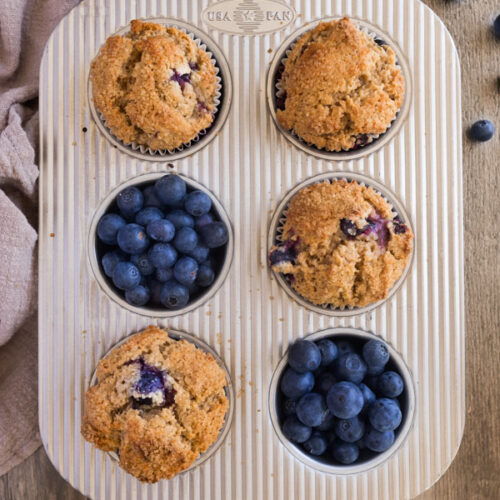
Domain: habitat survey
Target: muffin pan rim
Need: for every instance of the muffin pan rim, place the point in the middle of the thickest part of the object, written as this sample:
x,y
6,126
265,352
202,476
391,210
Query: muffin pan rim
x,y
228,389
378,143
403,430
365,180
102,281
222,112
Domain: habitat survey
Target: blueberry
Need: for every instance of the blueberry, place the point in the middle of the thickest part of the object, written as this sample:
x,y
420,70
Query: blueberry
x,y
329,351
149,381
186,240
482,130
390,384
199,253
163,275
132,239
311,409
316,445
174,295
371,382
350,367
147,215
155,286
108,228
205,276
345,453
345,400
185,271
368,395
138,296
296,431
170,189
126,276
130,200
496,26
384,415
214,235
349,228
110,259
162,255
324,382
344,346
143,263
289,407
197,203
150,198
376,355
179,218
304,356
161,230
294,384
378,441
350,429
328,422
203,220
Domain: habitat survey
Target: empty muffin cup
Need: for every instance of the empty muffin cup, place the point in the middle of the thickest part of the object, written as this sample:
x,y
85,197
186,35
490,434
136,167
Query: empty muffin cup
x,y
367,459
275,239
366,143
229,392
222,101
220,257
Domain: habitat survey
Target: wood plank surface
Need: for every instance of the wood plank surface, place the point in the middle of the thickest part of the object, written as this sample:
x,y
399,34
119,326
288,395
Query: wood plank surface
x,y
475,473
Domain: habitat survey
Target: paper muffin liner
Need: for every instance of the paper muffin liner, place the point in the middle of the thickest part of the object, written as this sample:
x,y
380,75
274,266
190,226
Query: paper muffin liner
x,y
228,389
280,97
276,238
165,153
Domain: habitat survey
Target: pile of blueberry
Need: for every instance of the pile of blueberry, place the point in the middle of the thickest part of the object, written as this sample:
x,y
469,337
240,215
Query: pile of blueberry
x,y
340,400
161,244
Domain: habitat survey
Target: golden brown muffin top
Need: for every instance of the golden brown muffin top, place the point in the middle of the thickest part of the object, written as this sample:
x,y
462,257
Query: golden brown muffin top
x,y
158,402
341,87
154,86
342,245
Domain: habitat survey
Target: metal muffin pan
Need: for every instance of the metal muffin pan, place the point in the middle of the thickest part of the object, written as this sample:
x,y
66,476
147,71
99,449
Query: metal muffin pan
x,y
377,143
250,166
279,217
158,312
205,136
401,433
229,390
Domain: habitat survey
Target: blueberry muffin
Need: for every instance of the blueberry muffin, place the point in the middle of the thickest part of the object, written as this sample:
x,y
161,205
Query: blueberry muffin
x,y
154,86
158,403
342,245
341,88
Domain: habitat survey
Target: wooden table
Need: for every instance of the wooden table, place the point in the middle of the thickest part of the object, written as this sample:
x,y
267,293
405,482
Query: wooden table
x,y
475,473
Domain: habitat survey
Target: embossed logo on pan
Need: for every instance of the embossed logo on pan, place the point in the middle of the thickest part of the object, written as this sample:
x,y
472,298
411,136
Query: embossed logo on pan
x,y
248,17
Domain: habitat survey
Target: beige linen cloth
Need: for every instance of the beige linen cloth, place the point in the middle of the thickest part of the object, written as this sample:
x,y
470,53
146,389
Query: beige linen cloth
x,y
25,26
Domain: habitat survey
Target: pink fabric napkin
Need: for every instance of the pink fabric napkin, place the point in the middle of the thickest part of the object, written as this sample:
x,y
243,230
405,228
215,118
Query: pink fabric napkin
x,y
25,26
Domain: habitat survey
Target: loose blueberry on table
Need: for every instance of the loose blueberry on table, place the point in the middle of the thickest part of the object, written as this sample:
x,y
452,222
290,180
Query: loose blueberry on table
x,y
161,244
341,399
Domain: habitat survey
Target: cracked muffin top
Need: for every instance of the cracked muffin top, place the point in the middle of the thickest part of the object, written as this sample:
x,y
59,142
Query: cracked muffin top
x,y
154,86
342,245
158,403
341,87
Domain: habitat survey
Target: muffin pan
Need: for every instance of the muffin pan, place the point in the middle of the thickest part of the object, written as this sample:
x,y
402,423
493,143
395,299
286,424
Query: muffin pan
x,y
279,218
250,166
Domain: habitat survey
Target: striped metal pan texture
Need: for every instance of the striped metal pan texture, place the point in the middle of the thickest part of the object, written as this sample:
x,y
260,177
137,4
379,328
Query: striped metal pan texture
x,y
251,321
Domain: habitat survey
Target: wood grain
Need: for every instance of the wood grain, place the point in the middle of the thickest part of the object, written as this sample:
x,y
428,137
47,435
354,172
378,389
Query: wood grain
x,y
474,474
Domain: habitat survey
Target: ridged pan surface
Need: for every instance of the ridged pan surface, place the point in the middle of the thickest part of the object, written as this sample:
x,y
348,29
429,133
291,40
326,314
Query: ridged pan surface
x,y
250,166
